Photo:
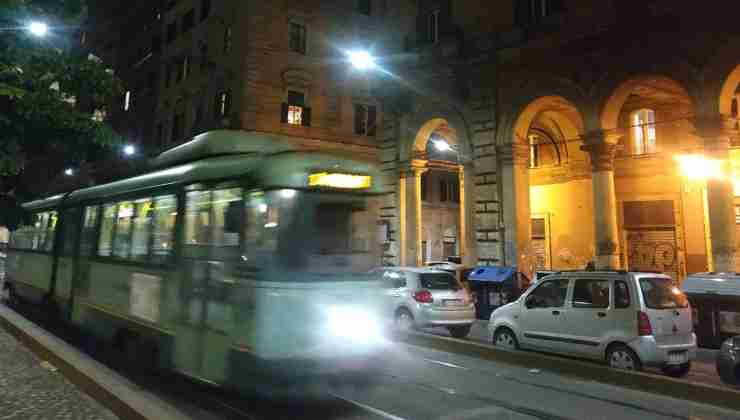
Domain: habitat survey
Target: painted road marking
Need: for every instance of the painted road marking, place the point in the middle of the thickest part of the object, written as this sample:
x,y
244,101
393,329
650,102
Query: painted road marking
x,y
449,365
373,410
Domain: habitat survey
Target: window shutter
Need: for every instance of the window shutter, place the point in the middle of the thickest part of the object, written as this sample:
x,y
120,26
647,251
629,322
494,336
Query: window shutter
x,y
359,120
306,117
284,112
372,120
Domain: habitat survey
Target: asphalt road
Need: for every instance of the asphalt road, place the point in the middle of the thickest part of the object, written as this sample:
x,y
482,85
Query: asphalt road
x,y
703,369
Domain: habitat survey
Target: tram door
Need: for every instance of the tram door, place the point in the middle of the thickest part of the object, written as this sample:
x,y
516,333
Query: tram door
x,y
211,248
66,265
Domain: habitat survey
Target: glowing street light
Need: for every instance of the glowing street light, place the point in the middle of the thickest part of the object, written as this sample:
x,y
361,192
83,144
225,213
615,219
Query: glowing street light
x,y
699,168
129,150
69,172
39,29
361,60
441,145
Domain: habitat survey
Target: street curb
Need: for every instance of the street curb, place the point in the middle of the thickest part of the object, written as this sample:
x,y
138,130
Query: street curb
x,y
641,381
125,399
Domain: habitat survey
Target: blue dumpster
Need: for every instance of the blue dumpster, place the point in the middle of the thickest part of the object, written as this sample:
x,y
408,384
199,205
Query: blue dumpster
x,y
494,286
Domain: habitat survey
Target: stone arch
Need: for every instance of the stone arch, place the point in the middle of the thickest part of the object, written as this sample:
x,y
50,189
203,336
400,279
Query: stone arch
x,y
450,121
556,108
728,92
612,102
720,76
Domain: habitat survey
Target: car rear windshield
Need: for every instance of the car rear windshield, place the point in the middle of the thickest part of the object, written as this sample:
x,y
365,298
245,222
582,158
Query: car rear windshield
x,y
661,293
438,281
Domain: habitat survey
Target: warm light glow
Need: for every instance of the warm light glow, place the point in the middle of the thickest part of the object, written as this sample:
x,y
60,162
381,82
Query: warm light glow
x,y
361,60
262,207
334,180
699,168
38,28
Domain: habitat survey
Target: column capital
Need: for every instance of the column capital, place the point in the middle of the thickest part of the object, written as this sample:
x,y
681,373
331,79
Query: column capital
x,y
412,168
602,146
513,154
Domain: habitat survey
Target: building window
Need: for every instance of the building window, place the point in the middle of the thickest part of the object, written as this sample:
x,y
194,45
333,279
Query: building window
x,y
297,38
223,104
643,132
177,128
295,111
171,32
205,9
188,21
433,27
365,120
227,39
127,99
365,7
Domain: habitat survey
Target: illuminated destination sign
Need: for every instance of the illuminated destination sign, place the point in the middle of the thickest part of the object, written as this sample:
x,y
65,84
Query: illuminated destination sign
x,y
334,180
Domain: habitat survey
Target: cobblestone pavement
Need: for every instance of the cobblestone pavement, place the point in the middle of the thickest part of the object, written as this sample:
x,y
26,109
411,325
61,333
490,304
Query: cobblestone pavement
x,y
30,389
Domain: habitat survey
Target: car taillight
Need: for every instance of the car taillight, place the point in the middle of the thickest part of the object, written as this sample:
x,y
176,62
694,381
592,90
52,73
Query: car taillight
x,y
424,296
643,324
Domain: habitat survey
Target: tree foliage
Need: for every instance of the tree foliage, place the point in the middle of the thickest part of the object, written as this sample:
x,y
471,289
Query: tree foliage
x,y
48,91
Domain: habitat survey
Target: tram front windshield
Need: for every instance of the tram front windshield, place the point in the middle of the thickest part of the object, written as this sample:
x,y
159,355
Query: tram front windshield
x,y
312,232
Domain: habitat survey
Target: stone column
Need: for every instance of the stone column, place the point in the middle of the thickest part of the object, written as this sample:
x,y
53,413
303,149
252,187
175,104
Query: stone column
x,y
514,164
410,223
602,147
716,133
468,242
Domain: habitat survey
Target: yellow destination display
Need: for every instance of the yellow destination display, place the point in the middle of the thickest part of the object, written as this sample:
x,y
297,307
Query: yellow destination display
x,y
334,180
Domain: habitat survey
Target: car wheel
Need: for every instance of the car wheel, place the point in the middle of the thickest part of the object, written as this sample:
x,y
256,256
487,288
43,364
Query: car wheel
x,y
620,356
459,331
505,338
677,371
404,321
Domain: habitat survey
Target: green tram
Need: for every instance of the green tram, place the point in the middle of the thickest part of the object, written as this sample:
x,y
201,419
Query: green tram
x,y
235,259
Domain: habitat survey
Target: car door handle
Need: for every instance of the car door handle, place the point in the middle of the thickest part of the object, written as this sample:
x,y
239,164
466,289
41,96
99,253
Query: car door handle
x,y
556,312
601,314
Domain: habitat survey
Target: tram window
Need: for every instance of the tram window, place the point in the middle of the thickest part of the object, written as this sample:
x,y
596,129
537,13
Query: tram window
x,y
87,239
213,217
106,230
140,235
124,224
165,214
39,235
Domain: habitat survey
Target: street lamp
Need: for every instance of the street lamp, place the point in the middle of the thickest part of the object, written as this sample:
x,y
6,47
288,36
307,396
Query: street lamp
x,y
69,172
441,145
361,60
39,29
129,150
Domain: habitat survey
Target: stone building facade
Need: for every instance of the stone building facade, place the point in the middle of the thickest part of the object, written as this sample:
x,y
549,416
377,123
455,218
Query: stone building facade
x,y
586,131
576,131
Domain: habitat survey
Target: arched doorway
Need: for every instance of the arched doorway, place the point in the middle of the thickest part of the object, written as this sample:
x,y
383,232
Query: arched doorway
x,y
660,213
436,198
729,99
558,188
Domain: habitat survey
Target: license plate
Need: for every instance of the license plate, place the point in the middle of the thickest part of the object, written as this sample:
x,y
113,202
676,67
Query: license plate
x,y
678,357
452,302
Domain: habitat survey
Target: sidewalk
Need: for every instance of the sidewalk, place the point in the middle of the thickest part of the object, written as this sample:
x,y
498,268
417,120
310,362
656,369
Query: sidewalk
x,y
33,389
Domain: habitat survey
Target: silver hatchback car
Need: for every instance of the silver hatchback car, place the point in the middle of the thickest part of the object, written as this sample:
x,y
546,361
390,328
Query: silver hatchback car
x,y
627,319
424,297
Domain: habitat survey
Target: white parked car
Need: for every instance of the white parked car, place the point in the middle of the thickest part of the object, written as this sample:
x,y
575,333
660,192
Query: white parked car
x,y
627,319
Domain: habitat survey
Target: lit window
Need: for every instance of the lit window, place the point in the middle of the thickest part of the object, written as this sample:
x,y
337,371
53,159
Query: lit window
x,y
127,101
433,26
223,104
297,38
296,103
643,132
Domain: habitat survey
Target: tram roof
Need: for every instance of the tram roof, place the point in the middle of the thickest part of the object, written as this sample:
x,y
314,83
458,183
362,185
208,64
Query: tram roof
x,y
201,160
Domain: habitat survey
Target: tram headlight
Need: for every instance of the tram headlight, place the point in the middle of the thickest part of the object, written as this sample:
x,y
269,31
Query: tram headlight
x,y
354,324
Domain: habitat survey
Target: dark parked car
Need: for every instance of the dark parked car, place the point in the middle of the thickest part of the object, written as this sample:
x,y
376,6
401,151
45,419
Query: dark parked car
x,y
728,361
